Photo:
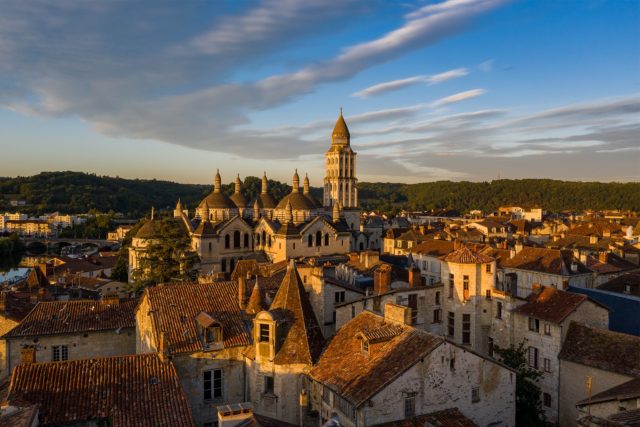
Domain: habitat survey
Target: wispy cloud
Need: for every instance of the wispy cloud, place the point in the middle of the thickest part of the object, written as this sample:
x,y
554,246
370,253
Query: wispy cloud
x,y
392,85
457,97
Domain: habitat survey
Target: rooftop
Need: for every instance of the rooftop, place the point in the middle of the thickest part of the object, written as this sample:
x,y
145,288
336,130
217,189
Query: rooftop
x,y
551,304
551,261
138,390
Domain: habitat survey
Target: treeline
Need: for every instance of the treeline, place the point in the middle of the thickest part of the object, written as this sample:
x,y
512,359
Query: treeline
x,y
551,195
75,192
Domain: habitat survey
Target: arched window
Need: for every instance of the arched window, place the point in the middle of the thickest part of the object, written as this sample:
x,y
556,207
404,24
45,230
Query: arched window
x,y
232,264
269,241
318,238
236,239
209,247
246,240
227,241
264,237
310,240
224,265
326,239
361,246
257,237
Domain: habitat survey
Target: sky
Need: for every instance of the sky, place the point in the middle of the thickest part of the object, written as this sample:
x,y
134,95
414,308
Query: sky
x,y
431,90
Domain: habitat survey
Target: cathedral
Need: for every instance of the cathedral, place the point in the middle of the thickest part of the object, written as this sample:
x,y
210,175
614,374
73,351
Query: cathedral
x,y
225,229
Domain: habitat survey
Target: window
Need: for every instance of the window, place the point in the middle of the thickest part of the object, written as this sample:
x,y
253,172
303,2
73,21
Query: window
x,y
268,384
451,323
60,353
310,240
318,238
498,310
534,324
409,406
437,298
452,364
547,365
488,268
365,346
212,384
212,334
209,246
465,287
533,357
490,346
264,332
246,240
339,296
475,394
227,241
547,328
546,399
451,285
326,239
466,329
437,315
236,239
223,265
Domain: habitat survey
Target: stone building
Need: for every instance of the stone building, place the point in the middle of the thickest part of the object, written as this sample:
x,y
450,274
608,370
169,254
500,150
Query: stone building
x,y
69,330
379,369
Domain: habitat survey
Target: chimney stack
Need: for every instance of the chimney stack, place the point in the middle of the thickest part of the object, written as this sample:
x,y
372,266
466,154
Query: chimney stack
x,y
163,351
382,279
28,354
415,278
242,292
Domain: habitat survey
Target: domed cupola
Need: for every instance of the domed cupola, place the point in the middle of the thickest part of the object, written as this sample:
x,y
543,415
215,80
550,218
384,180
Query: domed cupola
x,y
302,207
237,197
220,206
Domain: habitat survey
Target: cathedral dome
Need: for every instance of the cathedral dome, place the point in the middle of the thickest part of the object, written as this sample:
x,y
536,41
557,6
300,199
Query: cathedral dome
x,y
265,201
237,198
298,202
216,199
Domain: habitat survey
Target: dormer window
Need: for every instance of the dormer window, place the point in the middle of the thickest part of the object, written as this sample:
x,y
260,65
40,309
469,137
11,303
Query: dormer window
x,y
210,330
365,346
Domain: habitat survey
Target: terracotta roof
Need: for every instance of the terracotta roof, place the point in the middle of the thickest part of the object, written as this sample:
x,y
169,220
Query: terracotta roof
x,y
137,390
79,265
20,415
552,261
620,283
464,255
303,341
551,304
498,254
624,391
602,349
609,263
173,309
629,418
64,317
435,248
447,418
356,376
17,305
256,302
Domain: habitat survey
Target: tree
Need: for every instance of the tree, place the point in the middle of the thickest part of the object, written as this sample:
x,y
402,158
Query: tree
x,y
168,257
529,411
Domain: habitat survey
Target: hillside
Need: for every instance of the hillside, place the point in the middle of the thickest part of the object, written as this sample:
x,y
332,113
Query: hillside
x,y
75,192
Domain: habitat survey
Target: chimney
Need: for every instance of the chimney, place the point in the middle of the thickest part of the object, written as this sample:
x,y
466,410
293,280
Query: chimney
x,y
603,257
382,279
163,351
3,301
415,278
28,354
397,313
235,414
242,291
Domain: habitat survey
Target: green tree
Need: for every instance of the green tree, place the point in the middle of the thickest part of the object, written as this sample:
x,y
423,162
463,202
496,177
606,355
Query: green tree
x,y
167,258
529,411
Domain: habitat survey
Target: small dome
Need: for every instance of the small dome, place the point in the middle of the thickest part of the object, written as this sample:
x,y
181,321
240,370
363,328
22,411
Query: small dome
x,y
239,200
218,201
265,201
340,130
298,202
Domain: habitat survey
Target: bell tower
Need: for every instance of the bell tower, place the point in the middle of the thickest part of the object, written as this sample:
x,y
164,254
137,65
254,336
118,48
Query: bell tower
x,y
340,182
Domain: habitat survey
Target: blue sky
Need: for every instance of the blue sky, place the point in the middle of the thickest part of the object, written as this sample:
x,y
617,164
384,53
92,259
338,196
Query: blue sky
x,y
455,89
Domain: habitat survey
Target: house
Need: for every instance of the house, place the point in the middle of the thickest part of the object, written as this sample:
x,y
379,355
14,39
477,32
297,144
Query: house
x,y
427,257
141,390
543,266
593,360
378,369
542,323
616,404
69,330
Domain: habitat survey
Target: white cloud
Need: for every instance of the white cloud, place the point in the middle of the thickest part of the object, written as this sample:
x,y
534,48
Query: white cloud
x,y
457,97
392,85
447,75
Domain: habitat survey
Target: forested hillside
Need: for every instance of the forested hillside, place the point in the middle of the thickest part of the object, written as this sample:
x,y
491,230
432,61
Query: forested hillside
x,y
75,192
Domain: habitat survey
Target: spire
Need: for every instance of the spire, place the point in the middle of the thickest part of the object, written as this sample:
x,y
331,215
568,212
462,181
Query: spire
x,y
256,209
255,304
288,218
205,209
296,182
340,133
336,212
238,183
264,183
217,182
306,184
179,206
